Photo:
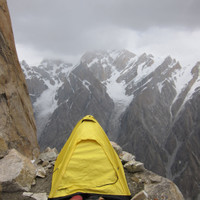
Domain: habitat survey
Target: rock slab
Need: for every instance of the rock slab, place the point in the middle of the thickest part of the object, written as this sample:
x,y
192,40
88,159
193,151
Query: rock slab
x,y
37,196
17,173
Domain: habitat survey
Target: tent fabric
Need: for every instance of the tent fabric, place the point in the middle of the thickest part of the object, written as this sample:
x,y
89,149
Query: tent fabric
x,y
88,164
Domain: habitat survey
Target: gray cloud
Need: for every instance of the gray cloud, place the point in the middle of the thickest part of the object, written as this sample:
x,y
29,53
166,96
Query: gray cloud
x,y
74,26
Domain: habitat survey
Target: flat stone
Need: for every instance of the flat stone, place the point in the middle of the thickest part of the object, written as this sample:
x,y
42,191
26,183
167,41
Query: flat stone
x,y
17,173
45,163
48,155
126,157
155,179
37,196
134,166
142,195
40,172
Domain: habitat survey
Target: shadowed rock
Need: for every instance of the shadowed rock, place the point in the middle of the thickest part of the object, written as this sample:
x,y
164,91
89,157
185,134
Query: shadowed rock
x,y
17,124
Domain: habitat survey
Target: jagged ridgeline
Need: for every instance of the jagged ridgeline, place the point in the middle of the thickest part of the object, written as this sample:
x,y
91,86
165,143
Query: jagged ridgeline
x,y
148,105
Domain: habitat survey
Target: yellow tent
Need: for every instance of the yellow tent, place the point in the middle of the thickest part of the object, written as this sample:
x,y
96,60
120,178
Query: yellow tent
x,y
88,164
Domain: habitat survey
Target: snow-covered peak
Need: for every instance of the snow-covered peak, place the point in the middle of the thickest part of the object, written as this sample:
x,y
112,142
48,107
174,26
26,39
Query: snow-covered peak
x,y
146,64
48,70
54,67
105,58
122,72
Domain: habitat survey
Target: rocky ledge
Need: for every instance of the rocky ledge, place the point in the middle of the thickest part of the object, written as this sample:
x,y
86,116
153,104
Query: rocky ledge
x,y
21,178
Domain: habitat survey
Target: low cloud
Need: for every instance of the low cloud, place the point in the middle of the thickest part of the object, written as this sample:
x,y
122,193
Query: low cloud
x,y
68,28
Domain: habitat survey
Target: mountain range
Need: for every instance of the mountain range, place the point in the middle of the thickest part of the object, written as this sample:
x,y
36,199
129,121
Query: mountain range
x,y
149,105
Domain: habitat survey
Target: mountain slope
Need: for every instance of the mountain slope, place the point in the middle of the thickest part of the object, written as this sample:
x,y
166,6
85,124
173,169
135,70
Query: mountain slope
x,y
183,147
148,105
163,99
66,94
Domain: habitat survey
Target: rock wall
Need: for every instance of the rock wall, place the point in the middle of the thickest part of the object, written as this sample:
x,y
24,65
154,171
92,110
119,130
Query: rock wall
x,y
17,124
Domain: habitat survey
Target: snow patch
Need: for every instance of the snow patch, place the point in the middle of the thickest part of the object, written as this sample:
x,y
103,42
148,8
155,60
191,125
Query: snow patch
x,y
44,106
46,103
94,61
114,54
171,65
160,86
181,78
130,64
86,84
143,70
117,90
193,89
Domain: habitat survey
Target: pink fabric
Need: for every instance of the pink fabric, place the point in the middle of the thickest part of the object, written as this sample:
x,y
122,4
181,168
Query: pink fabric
x,y
77,197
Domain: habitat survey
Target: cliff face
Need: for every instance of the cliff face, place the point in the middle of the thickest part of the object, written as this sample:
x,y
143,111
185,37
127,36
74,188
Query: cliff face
x,y
17,125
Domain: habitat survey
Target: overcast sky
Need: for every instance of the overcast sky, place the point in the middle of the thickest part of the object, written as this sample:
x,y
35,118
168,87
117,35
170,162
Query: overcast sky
x,y
65,29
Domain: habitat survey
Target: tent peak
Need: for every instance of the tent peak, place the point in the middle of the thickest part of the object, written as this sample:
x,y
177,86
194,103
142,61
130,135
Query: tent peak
x,y
88,118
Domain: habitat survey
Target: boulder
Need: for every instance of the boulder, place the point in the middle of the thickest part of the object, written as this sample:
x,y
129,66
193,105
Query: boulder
x,y
17,173
37,196
155,186
134,166
45,161
40,172
166,189
48,155
126,157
